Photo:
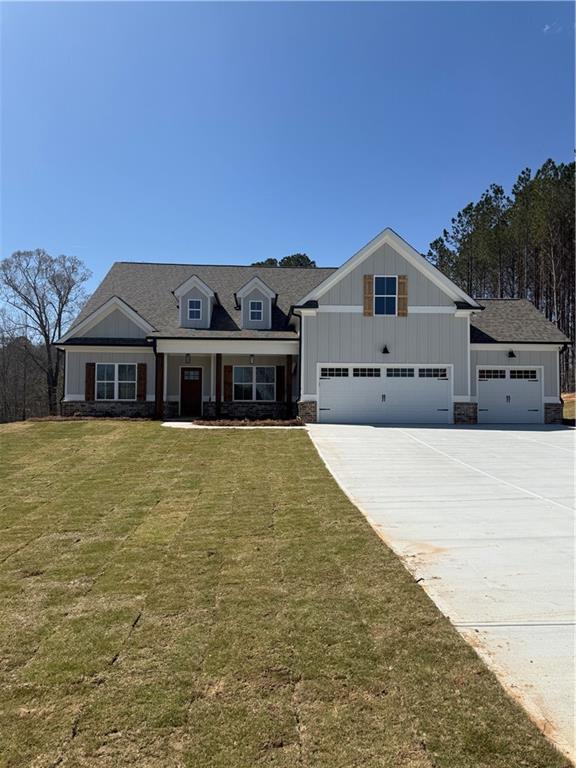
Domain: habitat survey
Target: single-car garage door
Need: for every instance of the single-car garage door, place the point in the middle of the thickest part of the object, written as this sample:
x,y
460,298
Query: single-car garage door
x,y
382,394
510,396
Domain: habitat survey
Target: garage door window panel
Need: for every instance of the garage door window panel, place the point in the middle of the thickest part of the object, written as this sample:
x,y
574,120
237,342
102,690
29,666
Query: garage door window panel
x,y
363,373
332,373
526,375
400,373
485,374
433,373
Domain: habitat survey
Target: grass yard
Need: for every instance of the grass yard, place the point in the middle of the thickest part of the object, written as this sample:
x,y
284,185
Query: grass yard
x,y
211,599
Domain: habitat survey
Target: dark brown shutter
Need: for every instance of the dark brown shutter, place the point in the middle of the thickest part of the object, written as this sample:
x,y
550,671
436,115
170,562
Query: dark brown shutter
x,y
90,382
227,383
368,295
402,295
141,382
280,383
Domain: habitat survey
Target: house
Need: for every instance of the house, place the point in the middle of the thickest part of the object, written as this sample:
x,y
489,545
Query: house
x,y
385,338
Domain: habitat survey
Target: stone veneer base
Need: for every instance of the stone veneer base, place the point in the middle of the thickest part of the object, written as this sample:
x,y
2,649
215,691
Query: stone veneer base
x,y
137,409
307,411
553,413
465,413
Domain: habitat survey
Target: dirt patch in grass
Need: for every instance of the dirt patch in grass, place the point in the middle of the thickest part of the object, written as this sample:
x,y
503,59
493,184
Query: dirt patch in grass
x,y
569,400
211,599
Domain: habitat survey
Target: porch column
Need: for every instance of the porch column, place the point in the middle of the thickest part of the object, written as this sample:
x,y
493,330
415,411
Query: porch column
x,y
218,382
288,387
159,387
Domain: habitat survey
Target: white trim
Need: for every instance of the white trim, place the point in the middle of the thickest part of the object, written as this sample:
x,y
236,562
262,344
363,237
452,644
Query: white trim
x,y
516,348
197,319
250,310
102,312
384,296
434,310
355,309
255,283
314,398
116,382
412,309
101,348
227,346
74,398
552,399
469,356
309,311
254,382
150,398
302,352
193,282
388,236
190,365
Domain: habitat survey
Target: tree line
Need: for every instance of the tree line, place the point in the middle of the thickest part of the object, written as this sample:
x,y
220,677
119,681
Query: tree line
x,y
519,245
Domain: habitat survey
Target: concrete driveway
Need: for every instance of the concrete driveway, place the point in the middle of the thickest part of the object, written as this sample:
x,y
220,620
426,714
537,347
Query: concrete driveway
x,y
484,516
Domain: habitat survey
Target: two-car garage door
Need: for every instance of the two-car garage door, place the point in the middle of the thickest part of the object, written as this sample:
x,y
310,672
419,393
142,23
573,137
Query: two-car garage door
x,y
379,394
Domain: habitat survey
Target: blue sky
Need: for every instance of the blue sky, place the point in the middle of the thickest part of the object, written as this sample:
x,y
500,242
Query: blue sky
x,y
226,133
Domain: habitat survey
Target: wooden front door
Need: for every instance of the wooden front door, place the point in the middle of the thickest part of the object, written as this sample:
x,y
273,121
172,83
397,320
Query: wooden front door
x,y
190,391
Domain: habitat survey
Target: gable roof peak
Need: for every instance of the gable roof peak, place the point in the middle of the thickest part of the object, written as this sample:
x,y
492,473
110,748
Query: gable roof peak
x,y
404,249
193,282
255,283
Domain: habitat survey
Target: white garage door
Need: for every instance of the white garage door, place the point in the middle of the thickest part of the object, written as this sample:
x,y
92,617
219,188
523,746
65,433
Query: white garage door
x,y
510,396
379,394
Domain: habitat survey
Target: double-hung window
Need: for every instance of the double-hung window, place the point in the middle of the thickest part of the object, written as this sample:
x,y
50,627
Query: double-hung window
x,y
194,309
254,382
115,381
256,311
385,295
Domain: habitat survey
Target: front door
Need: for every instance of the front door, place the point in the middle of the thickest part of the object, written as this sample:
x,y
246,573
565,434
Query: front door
x,y
190,391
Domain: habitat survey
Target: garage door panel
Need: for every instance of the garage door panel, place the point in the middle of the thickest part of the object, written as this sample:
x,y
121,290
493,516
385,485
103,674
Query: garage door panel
x,y
399,394
510,396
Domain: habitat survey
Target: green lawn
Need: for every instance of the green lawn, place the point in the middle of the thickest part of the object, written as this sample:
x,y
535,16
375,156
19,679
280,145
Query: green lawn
x,y
211,599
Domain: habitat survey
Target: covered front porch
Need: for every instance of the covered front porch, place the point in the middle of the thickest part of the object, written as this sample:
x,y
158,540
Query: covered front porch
x,y
237,380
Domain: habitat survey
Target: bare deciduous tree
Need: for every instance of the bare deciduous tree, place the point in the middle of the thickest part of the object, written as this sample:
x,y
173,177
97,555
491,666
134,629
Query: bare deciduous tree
x,y
47,291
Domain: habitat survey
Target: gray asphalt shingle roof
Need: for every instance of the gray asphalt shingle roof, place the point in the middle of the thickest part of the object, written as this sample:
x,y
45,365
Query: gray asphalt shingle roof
x,y
147,288
512,320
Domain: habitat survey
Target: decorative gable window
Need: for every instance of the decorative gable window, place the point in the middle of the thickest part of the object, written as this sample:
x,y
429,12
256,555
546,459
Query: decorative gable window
x,y
194,309
256,311
385,295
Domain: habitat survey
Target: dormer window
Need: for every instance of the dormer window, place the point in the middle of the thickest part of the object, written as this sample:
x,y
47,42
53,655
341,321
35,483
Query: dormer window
x,y
194,309
256,310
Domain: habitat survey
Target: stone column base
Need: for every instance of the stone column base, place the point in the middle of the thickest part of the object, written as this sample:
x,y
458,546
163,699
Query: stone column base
x,y
308,412
553,413
465,413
